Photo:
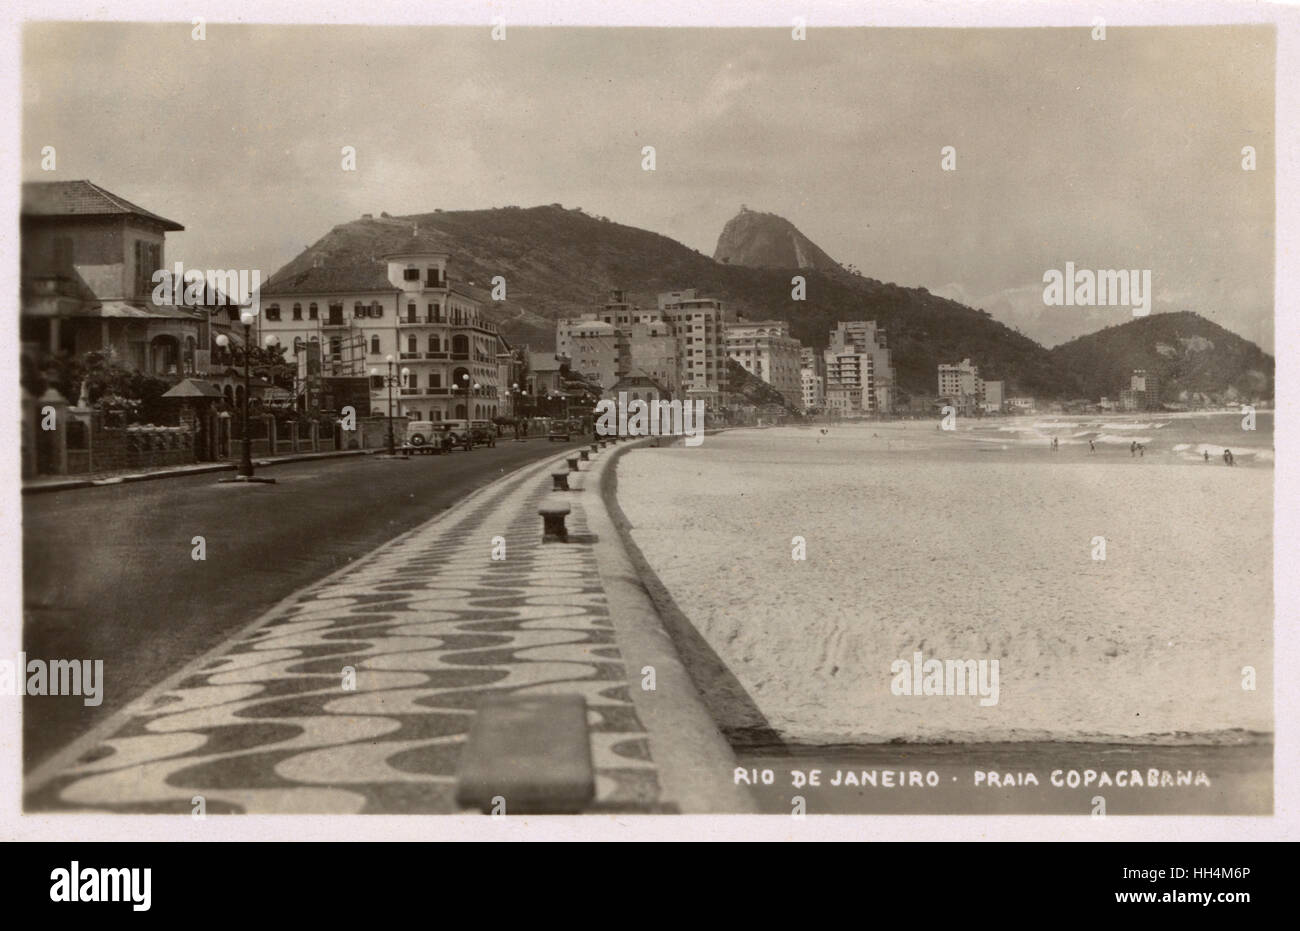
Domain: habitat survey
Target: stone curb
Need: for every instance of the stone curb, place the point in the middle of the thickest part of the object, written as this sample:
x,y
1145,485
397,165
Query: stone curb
x,y
695,761
45,487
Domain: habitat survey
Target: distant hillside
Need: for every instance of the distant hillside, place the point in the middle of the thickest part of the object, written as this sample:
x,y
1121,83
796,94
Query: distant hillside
x,y
560,262
765,240
1189,354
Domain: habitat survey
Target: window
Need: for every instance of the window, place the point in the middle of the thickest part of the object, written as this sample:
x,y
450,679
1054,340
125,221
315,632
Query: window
x,y
273,312
435,380
414,415
433,343
412,344
312,312
374,345
376,382
435,312
358,310
411,273
376,309
297,311
148,258
413,380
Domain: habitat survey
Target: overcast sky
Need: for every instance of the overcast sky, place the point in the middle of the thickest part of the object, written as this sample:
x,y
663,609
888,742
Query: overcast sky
x,y
1122,153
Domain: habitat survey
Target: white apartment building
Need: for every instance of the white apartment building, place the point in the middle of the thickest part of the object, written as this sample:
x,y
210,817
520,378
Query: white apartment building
x,y
858,358
962,384
592,348
814,389
681,343
698,324
766,349
349,320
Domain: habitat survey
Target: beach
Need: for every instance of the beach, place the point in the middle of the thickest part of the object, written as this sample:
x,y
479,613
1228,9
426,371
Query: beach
x,y
972,545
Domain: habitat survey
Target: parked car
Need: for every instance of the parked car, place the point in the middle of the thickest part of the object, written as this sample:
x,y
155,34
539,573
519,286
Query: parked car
x,y
425,436
484,432
457,433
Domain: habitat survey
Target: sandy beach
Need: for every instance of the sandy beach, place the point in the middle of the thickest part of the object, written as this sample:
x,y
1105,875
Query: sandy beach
x,y
959,549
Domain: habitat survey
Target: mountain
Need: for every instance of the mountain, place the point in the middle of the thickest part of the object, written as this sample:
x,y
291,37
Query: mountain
x,y
1189,354
765,240
560,262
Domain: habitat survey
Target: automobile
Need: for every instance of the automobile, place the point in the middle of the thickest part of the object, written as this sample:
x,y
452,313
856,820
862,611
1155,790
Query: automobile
x,y
559,431
484,432
456,433
424,436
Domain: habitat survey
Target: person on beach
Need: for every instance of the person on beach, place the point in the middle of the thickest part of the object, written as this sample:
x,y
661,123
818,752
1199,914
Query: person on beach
x,y
1133,448
1092,447
1142,451
1227,456
1207,455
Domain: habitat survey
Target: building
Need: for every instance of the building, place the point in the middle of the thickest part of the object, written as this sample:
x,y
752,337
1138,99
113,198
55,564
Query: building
x,y
994,396
636,388
1142,394
87,285
698,324
400,305
1021,405
764,348
681,344
814,389
592,348
962,386
858,357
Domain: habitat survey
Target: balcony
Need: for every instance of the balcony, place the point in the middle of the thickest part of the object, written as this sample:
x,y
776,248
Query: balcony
x,y
437,355
409,355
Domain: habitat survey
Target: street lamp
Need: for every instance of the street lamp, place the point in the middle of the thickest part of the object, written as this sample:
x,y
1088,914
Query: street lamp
x,y
245,471
390,380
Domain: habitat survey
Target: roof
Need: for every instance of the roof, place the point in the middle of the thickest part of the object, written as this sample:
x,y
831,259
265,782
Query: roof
x,y
192,388
82,199
418,244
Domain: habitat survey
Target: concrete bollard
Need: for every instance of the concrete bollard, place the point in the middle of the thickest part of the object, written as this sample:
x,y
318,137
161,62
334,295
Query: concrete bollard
x,y
553,511
573,463
584,455
595,448
559,481
532,750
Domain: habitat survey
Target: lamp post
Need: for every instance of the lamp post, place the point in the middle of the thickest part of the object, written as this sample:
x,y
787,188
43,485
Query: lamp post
x,y
390,380
245,471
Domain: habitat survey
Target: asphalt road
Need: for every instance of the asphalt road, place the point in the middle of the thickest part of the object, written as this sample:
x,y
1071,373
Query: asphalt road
x,y
108,572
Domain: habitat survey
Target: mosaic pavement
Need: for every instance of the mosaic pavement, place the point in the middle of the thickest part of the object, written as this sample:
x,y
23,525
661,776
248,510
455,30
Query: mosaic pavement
x,y
430,624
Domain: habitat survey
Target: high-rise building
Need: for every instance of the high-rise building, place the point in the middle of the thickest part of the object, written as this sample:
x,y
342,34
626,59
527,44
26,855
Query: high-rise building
x,y
764,348
961,384
814,389
698,324
859,371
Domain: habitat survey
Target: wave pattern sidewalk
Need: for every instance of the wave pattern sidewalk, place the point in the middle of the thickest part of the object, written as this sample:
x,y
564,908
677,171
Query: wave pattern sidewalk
x,y
431,624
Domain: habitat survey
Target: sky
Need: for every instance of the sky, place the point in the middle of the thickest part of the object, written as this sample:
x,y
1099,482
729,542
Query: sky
x,y
1119,153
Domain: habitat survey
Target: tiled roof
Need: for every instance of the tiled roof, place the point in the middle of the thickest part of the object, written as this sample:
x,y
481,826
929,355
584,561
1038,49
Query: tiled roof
x,y
82,199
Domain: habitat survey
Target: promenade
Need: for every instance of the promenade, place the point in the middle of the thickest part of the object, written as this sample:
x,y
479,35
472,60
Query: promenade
x,y
431,624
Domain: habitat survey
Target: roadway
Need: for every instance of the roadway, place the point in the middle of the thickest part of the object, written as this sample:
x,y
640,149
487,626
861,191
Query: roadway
x,y
108,571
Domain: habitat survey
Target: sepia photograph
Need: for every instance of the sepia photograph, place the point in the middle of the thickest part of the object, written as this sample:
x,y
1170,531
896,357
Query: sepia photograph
x,y
505,418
